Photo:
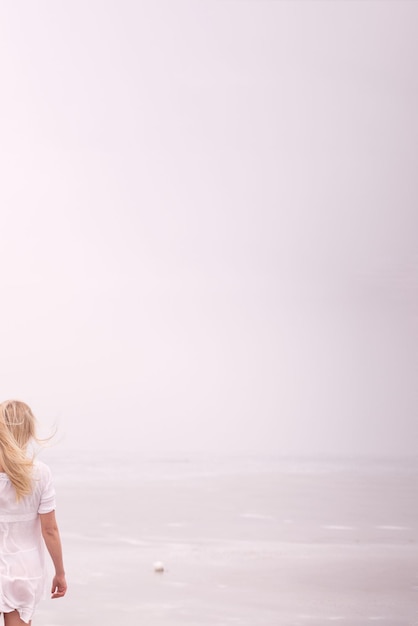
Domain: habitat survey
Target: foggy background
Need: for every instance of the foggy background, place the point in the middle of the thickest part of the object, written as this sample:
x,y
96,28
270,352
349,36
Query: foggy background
x,y
209,224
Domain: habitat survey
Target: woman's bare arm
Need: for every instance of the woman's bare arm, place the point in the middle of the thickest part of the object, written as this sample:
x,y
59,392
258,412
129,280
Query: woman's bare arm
x,y
52,540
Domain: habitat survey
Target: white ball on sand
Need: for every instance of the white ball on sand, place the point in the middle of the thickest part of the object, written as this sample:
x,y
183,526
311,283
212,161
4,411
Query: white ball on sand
x,y
158,566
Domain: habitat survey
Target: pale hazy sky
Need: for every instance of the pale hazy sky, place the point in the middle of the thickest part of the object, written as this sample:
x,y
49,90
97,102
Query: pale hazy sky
x,y
209,223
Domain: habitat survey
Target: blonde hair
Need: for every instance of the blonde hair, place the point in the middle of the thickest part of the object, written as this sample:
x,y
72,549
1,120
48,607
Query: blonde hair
x,y
17,429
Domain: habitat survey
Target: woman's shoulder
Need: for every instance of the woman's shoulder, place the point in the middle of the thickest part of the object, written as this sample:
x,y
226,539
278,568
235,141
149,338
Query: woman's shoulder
x,y
41,469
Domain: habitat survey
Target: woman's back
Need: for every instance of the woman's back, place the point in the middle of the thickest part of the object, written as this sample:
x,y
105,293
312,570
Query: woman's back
x,y
41,500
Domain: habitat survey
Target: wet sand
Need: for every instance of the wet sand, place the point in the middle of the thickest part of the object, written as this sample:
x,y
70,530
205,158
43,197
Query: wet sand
x,y
280,546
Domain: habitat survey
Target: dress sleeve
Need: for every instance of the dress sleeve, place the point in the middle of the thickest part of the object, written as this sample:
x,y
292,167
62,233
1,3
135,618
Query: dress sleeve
x,y
47,500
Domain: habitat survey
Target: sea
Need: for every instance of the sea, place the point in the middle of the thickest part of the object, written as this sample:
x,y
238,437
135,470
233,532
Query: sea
x,y
208,540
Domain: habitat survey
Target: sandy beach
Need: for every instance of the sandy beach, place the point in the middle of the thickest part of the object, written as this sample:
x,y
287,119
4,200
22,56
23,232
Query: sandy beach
x,y
251,542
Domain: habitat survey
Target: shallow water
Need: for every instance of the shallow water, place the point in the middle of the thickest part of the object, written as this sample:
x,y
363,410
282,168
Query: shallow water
x,y
245,541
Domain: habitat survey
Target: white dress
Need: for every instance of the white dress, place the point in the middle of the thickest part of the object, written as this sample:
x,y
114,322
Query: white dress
x,y
22,549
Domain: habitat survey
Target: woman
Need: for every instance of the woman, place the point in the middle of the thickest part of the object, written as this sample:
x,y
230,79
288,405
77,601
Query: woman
x,y
27,519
